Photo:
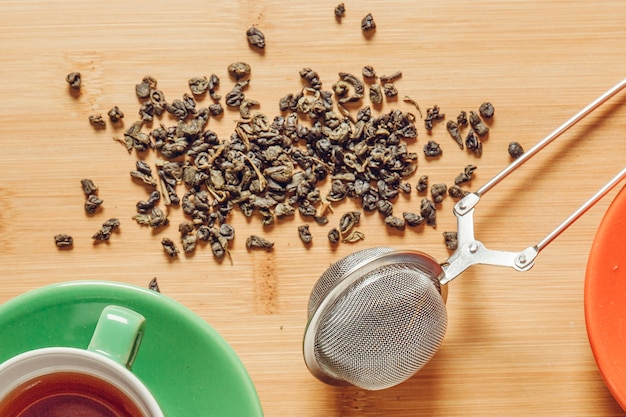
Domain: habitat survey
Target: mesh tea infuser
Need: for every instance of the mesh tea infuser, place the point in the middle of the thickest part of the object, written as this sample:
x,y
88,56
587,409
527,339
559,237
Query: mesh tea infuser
x,y
378,315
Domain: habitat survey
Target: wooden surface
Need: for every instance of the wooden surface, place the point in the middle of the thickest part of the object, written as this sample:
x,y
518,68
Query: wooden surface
x,y
516,343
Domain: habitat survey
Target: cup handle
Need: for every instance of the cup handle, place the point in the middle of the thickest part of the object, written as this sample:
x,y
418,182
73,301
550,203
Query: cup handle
x,y
118,334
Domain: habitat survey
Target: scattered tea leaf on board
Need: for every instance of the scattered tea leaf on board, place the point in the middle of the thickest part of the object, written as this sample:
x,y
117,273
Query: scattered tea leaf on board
x,y
258,242
255,37
353,237
340,11
63,241
486,110
515,150
368,23
304,233
108,227
170,247
154,285
451,240
74,80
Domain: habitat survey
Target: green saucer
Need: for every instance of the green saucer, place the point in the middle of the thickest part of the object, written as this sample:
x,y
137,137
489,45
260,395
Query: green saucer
x,y
189,368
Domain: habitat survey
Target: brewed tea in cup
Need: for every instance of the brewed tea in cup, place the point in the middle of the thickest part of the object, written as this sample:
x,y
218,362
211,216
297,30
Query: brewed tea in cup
x,y
92,382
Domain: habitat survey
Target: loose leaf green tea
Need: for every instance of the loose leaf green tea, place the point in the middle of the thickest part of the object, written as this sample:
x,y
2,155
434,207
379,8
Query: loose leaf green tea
x,y
409,100
198,85
170,247
486,110
354,237
412,219
395,222
154,285
432,149
466,175
88,186
451,240
368,23
97,121
457,192
438,192
272,167
108,227
74,80
115,114
305,234
433,114
369,72
259,242
453,130
477,124
334,235
92,203
473,143
422,184
63,241
428,211
515,150
255,37
340,11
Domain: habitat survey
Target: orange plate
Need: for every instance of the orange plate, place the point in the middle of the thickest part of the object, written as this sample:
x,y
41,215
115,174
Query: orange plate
x,y
605,298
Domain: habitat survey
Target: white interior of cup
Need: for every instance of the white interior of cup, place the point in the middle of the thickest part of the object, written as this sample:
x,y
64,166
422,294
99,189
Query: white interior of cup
x,y
32,364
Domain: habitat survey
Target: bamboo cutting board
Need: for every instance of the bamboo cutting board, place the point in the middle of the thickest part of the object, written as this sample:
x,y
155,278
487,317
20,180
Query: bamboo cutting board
x,y
516,343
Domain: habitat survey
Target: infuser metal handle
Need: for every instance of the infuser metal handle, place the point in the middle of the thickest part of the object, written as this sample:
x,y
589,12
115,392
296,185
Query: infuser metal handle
x,y
548,139
471,251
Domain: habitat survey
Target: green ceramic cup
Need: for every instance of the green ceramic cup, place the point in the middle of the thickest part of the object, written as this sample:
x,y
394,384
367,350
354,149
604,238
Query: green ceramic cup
x,y
93,382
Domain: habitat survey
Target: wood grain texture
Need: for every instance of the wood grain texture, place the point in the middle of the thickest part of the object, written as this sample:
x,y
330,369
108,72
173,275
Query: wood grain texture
x,y
516,343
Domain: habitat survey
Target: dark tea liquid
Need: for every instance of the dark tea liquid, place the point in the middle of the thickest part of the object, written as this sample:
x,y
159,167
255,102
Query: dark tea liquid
x,y
67,394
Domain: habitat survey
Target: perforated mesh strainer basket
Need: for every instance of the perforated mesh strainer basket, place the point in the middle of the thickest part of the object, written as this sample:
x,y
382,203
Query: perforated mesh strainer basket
x,y
365,296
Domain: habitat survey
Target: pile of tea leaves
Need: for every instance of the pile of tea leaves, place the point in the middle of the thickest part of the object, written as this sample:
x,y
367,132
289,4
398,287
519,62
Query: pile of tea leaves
x,y
272,167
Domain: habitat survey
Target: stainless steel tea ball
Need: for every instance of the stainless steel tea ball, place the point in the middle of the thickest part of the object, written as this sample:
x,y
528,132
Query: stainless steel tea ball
x,y
378,315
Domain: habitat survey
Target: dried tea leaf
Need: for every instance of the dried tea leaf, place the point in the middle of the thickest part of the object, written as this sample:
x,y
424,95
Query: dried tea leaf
x,y
432,149
239,70
422,184
154,285
453,130
88,186
92,203
466,175
438,192
412,219
429,212
259,242
515,150
353,237
334,235
368,23
255,37
63,241
340,11
115,114
395,222
486,110
305,234
198,85
473,143
457,192
74,80
477,124
107,228
451,240
97,121
170,247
